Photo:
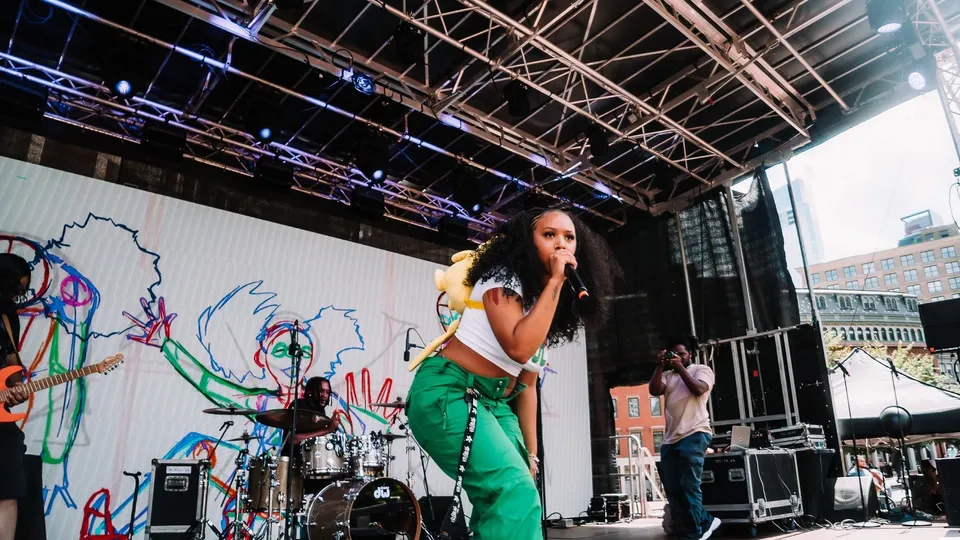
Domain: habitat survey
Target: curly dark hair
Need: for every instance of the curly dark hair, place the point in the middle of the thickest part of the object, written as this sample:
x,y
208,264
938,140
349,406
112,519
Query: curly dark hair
x,y
12,268
511,256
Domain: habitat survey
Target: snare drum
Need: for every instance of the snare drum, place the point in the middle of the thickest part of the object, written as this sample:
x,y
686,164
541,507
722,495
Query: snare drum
x,y
324,457
259,494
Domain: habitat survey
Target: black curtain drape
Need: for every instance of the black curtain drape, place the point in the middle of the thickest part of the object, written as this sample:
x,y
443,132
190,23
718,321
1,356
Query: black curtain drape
x,y
651,302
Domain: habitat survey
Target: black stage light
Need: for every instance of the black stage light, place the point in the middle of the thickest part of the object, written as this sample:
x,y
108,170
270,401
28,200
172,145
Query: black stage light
x,y
164,141
372,158
408,40
922,74
367,202
364,84
125,63
599,144
273,171
22,106
453,227
886,16
467,191
261,118
518,99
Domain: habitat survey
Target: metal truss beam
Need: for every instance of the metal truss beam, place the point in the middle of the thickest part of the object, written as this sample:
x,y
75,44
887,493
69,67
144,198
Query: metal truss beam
x,y
342,72
938,34
317,52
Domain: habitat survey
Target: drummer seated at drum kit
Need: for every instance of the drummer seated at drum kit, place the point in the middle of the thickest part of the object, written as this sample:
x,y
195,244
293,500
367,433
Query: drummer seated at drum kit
x,y
316,397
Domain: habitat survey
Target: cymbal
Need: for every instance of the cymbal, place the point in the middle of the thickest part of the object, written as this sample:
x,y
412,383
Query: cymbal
x,y
307,420
245,438
229,411
393,436
391,404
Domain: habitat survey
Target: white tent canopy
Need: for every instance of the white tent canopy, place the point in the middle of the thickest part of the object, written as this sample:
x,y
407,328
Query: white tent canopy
x,y
871,384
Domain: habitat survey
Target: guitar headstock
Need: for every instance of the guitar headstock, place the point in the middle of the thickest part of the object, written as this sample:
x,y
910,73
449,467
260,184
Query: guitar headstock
x,y
110,363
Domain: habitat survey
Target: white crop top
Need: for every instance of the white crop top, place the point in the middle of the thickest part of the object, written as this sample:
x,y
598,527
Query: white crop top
x,y
475,332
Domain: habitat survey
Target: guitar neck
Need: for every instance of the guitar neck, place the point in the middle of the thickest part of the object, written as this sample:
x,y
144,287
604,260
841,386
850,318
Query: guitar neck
x,y
43,384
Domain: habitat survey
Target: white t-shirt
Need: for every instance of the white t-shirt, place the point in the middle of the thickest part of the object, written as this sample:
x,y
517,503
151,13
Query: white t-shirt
x,y
686,413
475,332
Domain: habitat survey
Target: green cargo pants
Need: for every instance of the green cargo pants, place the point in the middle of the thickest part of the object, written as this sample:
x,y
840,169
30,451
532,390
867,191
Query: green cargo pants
x,y
506,504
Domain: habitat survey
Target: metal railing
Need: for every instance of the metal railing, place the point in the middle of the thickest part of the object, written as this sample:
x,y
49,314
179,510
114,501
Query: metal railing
x,y
641,470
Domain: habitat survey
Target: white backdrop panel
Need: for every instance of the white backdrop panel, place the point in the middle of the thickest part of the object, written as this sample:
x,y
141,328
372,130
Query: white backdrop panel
x,y
198,299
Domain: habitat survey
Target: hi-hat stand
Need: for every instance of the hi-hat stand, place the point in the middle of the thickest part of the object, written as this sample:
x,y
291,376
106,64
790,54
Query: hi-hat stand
x,y
866,523
896,421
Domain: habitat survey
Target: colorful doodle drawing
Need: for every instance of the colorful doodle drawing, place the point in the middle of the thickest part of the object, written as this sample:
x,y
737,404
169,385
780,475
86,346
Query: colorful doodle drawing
x,y
360,407
63,312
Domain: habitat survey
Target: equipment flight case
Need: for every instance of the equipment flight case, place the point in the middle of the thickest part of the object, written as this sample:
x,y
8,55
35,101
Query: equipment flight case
x,y
752,486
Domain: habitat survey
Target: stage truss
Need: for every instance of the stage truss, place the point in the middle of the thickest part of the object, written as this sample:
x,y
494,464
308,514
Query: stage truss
x,y
663,126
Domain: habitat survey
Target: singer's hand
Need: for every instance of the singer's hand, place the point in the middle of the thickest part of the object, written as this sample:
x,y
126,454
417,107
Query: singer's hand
x,y
559,261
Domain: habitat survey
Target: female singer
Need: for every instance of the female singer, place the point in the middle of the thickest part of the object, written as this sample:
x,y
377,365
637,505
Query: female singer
x,y
519,305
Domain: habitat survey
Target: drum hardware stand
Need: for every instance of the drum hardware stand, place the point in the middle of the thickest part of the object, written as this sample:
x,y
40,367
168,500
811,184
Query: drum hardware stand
x,y
133,509
237,524
200,527
296,355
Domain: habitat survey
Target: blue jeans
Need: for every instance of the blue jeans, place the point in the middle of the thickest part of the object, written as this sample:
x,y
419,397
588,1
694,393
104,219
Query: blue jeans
x,y
682,466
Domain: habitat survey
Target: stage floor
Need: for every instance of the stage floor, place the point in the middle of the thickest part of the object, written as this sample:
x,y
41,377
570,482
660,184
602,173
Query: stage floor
x,y
642,529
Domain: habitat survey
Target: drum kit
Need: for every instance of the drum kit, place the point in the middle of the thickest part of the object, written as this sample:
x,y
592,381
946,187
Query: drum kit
x,y
340,486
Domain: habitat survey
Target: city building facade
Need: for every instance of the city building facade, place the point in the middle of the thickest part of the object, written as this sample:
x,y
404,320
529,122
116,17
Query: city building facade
x,y
806,215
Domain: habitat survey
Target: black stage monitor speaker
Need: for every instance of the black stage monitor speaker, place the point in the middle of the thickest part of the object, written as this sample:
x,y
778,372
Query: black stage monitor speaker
x,y
949,472
178,490
813,465
433,509
845,494
941,323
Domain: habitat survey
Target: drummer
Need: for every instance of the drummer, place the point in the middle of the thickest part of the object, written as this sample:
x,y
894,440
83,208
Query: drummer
x,y
316,397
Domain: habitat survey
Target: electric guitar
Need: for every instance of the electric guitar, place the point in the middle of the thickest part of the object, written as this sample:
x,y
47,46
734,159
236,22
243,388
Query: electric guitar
x,y
106,366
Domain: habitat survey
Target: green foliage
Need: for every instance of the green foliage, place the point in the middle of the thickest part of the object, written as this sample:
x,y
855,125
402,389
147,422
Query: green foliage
x,y
918,365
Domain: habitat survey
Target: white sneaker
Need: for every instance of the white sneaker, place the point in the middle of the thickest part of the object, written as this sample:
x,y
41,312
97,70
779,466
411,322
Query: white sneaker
x,y
713,526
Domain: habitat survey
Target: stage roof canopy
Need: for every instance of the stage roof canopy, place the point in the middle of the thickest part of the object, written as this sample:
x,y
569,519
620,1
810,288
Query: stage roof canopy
x,y
871,384
475,108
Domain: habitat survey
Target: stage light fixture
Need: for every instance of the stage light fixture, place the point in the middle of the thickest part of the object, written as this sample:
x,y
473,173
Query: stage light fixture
x,y
916,80
408,40
273,171
922,73
364,84
163,141
518,99
261,118
886,16
367,202
372,157
453,227
123,88
22,105
599,144
467,191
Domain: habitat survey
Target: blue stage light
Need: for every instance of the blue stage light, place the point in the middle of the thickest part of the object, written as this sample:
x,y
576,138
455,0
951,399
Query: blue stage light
x,y
123,88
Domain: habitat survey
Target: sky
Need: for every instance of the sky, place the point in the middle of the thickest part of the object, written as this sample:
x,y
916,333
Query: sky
x,y
864,180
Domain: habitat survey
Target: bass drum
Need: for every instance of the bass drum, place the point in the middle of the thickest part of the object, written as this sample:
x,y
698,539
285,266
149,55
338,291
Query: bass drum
x,y
350,510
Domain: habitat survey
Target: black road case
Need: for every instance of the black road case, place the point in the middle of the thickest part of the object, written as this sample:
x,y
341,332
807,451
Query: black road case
x,y
177,499
752,486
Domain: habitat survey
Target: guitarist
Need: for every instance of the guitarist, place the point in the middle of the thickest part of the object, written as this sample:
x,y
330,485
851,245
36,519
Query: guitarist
x,y
14,284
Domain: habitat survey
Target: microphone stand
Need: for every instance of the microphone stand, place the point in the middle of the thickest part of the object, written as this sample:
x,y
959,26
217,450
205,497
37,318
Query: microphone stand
x,y
133,509
296,355
894,375
866,523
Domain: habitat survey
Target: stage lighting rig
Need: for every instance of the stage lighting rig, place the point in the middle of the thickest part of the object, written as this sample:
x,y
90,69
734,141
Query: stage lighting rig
x,y
364,84
886,16
408,41
372,158
123,70
598,141
517,96
467,191
922,73
262,118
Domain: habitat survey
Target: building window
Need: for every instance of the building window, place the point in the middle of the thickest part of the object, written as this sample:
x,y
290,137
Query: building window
x,y
913,335
657,441
913,289
655,406
614,405
883,334
835,333
790,219
935,286
831,275
948,252
853,285
954,283
876,334
909,275
895,289
872,282
851,334
944,234
633,407
815,278
955,295
849,271
937,298
635,449
952,267
845,302
906,260
911,305
616,442
890,279
886,264
928,236
926,256
833,287
868,268
890,303
859,334
869,303
931,271
843,334
920,334
899,335
821,302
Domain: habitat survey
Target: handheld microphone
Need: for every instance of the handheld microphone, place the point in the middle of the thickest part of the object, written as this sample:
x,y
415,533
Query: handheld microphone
x,y
576,282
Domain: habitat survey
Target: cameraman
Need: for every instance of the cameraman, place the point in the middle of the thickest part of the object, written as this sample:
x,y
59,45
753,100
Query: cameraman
x,y
686,389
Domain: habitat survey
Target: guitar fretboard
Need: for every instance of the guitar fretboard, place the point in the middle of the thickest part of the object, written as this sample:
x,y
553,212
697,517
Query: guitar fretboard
x,y
43,384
